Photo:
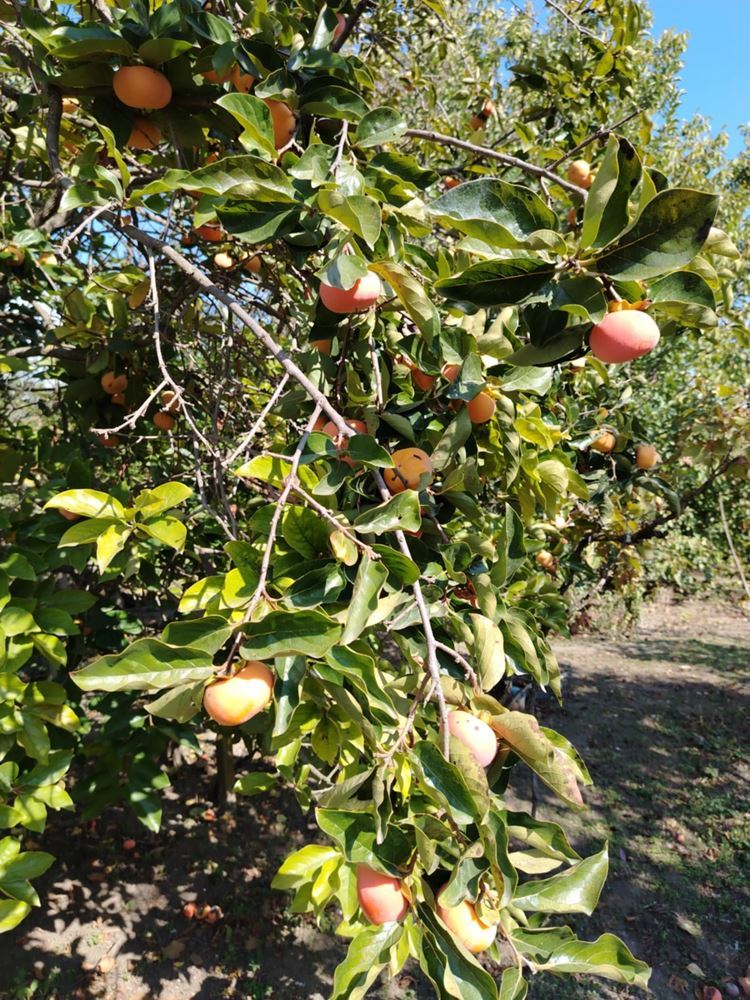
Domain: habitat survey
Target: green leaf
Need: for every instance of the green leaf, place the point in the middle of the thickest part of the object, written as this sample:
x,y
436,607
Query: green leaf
x,y
149,503
367,955
523,735
371,577
86,531
301,866
545,837
180,704
356,835
87,503
400,512
686,297
359,213
208,633
581,297
500,282
379,126
275,471
321,97
146,665
454,972
156,51
444,778
512,985
320,586
18,567
307,633
557,949
82,41
669,232
402,571
167,530
605,214
493,211
255,783
12,912
255,119
304,531
364,448
111,541
454,437
575,890
412,296
489,652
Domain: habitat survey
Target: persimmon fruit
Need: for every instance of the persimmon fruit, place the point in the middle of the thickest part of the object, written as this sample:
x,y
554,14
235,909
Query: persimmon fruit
x,y
481,408
478,738
216,76
340,25
142,87
252,264
623,336
113,384
211,232
164,421
546,560
223,261
463,922
284,122
118,399
363,294
422,380
646,456
108,440
450,372
241,82
380,896
323,346
231,701
604,442
170,401
580,174
450,182
410,465
144,134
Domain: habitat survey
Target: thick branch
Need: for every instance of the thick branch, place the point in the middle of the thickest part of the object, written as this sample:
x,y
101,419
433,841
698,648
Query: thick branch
x,y
493,154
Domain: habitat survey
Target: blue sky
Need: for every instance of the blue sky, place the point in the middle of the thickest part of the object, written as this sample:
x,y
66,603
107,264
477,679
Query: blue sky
x,y
716,74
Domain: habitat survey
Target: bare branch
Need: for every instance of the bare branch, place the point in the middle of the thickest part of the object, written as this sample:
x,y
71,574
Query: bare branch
x,y
601,133
350,25
493,154
579,27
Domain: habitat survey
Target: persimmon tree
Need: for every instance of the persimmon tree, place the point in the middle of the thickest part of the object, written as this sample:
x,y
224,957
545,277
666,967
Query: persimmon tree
x,y
299,408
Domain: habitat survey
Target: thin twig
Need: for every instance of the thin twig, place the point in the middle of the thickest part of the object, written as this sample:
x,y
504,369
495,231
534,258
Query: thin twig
x,y
493,154
328,516
730,543
463,662
579,27
420,695
601,133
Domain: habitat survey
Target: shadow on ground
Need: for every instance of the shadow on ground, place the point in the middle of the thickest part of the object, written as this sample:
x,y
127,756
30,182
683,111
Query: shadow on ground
x,y
661,719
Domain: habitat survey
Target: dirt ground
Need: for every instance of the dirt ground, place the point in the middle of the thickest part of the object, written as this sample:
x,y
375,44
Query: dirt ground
x,y
662,718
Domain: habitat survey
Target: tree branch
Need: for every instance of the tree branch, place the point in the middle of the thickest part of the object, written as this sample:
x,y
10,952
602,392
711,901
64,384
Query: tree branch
x,y
492,154
350,25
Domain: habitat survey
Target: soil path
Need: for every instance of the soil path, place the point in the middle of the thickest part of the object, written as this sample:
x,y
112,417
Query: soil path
x,y
661,717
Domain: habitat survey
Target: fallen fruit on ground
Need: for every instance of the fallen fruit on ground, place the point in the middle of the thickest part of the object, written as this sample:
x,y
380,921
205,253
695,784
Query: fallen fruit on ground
x,y
114,384
142,87
623,336
410,465
284,122
144,134
380,896
481,408
646,456
604,442
231,701
580,174
364,293
478,738
463,921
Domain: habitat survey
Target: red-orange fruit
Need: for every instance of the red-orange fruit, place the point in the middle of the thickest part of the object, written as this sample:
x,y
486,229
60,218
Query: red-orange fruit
x,y
422,380
252,264
324,346
604,442
450,182
284,122
142,87
241,81
624,336
450,372
216,77
108,440
211,232
68,514
364,293
579,173
646,456
170,401
478,738
340,25
477,122
231,701
410,465
144,134
463,921
164,421
381,897
114,384
481,408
